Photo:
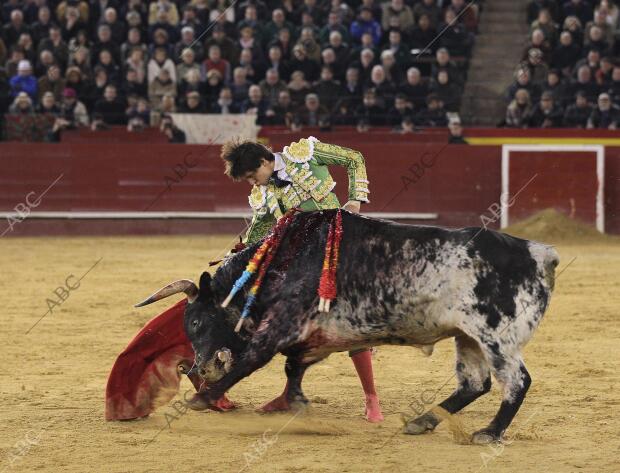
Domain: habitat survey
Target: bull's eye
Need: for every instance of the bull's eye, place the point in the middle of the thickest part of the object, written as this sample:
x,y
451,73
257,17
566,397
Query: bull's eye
x,y
195,323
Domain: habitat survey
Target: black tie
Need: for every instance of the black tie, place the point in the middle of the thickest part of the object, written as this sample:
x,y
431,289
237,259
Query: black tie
x,y
277,181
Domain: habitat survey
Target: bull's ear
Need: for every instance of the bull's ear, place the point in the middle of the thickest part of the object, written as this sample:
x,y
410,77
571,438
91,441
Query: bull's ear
x,y
205,285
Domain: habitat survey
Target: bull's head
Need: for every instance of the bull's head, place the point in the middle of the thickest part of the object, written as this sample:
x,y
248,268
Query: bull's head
x,y
209,328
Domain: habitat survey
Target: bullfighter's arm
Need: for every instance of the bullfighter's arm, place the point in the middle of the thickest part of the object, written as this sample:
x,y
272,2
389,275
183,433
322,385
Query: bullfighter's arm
x,y
353,160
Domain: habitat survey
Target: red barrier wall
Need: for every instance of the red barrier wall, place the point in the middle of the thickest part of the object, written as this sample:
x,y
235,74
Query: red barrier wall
x,y
458,182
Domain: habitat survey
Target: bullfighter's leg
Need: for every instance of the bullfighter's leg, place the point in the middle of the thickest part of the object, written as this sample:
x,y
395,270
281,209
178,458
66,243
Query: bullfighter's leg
x,y
474,380
293,393
512,375
362,359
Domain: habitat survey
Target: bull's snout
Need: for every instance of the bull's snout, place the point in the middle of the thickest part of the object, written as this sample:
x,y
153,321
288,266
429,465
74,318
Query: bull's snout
x,y
215,369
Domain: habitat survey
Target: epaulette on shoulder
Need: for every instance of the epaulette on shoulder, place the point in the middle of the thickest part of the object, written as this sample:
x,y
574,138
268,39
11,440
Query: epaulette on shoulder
x,y
258,197
300,151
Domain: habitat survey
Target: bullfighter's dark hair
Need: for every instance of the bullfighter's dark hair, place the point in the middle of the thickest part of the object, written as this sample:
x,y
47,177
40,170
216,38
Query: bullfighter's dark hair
x,y
241,157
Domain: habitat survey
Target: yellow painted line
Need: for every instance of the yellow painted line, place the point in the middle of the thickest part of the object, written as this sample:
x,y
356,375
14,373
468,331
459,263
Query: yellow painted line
x,y
495,141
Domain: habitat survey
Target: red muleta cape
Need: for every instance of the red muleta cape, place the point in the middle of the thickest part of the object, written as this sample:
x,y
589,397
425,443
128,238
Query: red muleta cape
x,y
146,374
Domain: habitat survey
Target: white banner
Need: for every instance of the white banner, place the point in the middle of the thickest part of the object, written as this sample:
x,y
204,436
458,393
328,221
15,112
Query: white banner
x,y
216,129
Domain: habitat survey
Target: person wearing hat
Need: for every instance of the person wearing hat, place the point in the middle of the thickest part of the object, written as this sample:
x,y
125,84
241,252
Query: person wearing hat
x,y
72,109
24,81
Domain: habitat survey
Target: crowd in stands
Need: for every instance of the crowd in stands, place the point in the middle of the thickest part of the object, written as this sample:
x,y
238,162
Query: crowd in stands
x,y
570,74
291,62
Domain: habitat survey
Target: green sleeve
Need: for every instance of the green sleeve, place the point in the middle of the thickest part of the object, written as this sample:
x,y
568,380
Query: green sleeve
x,y
352,160
259,227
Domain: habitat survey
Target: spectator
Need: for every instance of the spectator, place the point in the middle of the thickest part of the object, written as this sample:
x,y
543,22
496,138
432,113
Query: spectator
x,y
240,85
423,35
366,23
383,88
80,58
48,105
160,60
446,91
160,86
312,112
75,81
578,8
275,61
585,83
522,81
212,87
228,48
397,9
193,103
136,62
216,62
311,47
428,8
225,103
13,30
134,40
605,115
518,110
284,110
24,81
545,23
330,60
455,36
414,88
271,86
614,86
72,110
104,41
370,112
138,116
555,85
578,113
393,72
537,67
51,82
443,62
22,105
110,108
327,89
402,109
174,134
456,131
565,54
434,114
298,88
40,29
117,28
55,44
467,13
256,105
334,23
107,62
595,39
301,62
188,42
546,114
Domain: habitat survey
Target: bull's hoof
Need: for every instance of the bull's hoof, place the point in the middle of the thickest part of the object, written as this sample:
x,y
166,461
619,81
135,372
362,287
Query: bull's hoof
x,y
420,425
199,402
279,404
485,437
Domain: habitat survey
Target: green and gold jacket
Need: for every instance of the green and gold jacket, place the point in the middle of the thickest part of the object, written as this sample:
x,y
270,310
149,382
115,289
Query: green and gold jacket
x,y
311,185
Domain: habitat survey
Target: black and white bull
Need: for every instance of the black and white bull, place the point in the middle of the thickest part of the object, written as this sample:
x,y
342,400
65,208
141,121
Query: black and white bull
x,y
397,285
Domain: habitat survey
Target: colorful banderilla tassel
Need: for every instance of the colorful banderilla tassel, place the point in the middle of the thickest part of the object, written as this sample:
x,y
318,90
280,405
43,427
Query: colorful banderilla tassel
x,y
260,261
327,285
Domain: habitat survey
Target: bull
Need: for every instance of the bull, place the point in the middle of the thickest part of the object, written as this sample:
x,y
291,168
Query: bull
x,y
397,285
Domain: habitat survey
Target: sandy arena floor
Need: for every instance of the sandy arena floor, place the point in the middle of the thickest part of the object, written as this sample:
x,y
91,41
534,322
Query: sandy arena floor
x,y
52,380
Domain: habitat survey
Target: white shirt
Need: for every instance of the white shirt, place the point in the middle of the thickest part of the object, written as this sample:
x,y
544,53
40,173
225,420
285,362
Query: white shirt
x,y
280,167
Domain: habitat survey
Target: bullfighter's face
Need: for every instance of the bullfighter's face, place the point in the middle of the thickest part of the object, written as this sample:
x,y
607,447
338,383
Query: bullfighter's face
x,y
210,329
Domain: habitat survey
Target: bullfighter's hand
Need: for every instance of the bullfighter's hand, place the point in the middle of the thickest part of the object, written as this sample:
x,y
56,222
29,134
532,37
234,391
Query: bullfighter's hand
x,y
352,206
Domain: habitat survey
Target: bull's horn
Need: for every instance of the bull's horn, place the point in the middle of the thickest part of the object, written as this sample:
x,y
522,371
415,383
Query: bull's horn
x,y
183,285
